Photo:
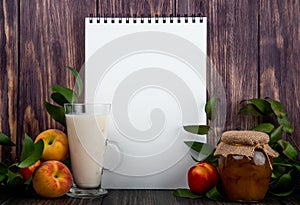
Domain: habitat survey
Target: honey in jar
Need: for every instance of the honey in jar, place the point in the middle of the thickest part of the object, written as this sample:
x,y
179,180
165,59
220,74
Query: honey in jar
x,y
245,164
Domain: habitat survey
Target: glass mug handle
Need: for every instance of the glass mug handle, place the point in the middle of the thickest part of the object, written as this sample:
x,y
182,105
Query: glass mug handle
x,y
112,155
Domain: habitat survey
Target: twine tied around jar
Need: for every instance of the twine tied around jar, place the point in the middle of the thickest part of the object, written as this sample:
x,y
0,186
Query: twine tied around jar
x,y
244,143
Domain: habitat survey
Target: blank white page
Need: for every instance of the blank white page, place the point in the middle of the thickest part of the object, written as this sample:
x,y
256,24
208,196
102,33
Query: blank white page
x,y
154,75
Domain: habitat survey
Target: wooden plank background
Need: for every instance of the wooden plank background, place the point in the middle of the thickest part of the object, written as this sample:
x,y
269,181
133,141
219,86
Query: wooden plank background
x,y
253,44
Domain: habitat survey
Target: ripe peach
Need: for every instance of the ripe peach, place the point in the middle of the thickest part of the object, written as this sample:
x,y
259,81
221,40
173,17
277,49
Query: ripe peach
x,y
202,177
28,171
55,145
52,179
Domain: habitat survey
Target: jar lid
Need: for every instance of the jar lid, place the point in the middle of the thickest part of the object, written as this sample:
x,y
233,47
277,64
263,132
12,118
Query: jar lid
x,y
244,143
247,137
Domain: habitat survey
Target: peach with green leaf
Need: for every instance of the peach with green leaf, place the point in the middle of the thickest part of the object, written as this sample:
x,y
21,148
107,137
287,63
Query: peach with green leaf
x,y
28,171
55,145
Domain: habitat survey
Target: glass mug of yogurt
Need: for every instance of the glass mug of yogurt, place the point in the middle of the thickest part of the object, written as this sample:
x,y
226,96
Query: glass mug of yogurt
x,y
87,126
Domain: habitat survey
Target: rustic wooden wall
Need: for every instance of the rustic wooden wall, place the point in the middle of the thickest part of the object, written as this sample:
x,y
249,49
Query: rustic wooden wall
x,y
253,44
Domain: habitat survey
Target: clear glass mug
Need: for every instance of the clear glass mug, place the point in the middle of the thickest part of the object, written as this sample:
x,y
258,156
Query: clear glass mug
x,y
87,126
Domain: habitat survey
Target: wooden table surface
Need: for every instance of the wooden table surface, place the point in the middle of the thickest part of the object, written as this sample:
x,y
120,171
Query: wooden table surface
x,y
136,197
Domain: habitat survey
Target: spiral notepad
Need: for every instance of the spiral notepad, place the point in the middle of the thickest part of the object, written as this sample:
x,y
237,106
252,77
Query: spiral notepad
x,y
153,72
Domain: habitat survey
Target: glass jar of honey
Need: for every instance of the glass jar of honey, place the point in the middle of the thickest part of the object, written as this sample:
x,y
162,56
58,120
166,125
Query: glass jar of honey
x,y
245,164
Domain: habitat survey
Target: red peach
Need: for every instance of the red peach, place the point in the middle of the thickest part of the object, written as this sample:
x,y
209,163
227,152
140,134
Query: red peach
x,y
202,177
52,179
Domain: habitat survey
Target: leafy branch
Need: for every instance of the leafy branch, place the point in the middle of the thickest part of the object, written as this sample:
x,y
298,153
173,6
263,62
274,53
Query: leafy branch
x,y
10,176
204,149
275,122
61,95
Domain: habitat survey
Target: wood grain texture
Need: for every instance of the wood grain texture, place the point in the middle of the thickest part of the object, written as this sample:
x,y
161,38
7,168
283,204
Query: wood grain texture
x,y
279,55
136,7
55,201
232,47
141,197
8,74
52,38
233,37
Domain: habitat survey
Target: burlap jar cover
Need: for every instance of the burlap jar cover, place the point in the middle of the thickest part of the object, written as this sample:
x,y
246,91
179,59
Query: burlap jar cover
x,y
244,143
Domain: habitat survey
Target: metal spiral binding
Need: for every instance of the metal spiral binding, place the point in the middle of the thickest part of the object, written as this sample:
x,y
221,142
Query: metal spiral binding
x,y
149,18
193,18
201,17
164,18
142,18
178,18
120,19
171,18
156,20
98,18
113,18
91,18
186,20
201,12
105,18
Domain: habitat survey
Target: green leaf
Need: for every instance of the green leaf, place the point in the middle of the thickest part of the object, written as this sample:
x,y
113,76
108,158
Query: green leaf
x,y
59,98
277,107
212,159
288,149
34,156
273,176
287,126
194,158
3,168
283,164
28,181
69,94
5,140
281,159
67,162
250,109
278,170
296,164
197,129
276,135
28,147
14,179
3,171
262,105
202,148
215,195
284,186
78,80
284,193
264,127
210,108
186,193
56,112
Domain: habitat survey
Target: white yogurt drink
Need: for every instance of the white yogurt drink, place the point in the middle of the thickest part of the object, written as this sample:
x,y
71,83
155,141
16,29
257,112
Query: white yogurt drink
x,y
86,136
87,125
